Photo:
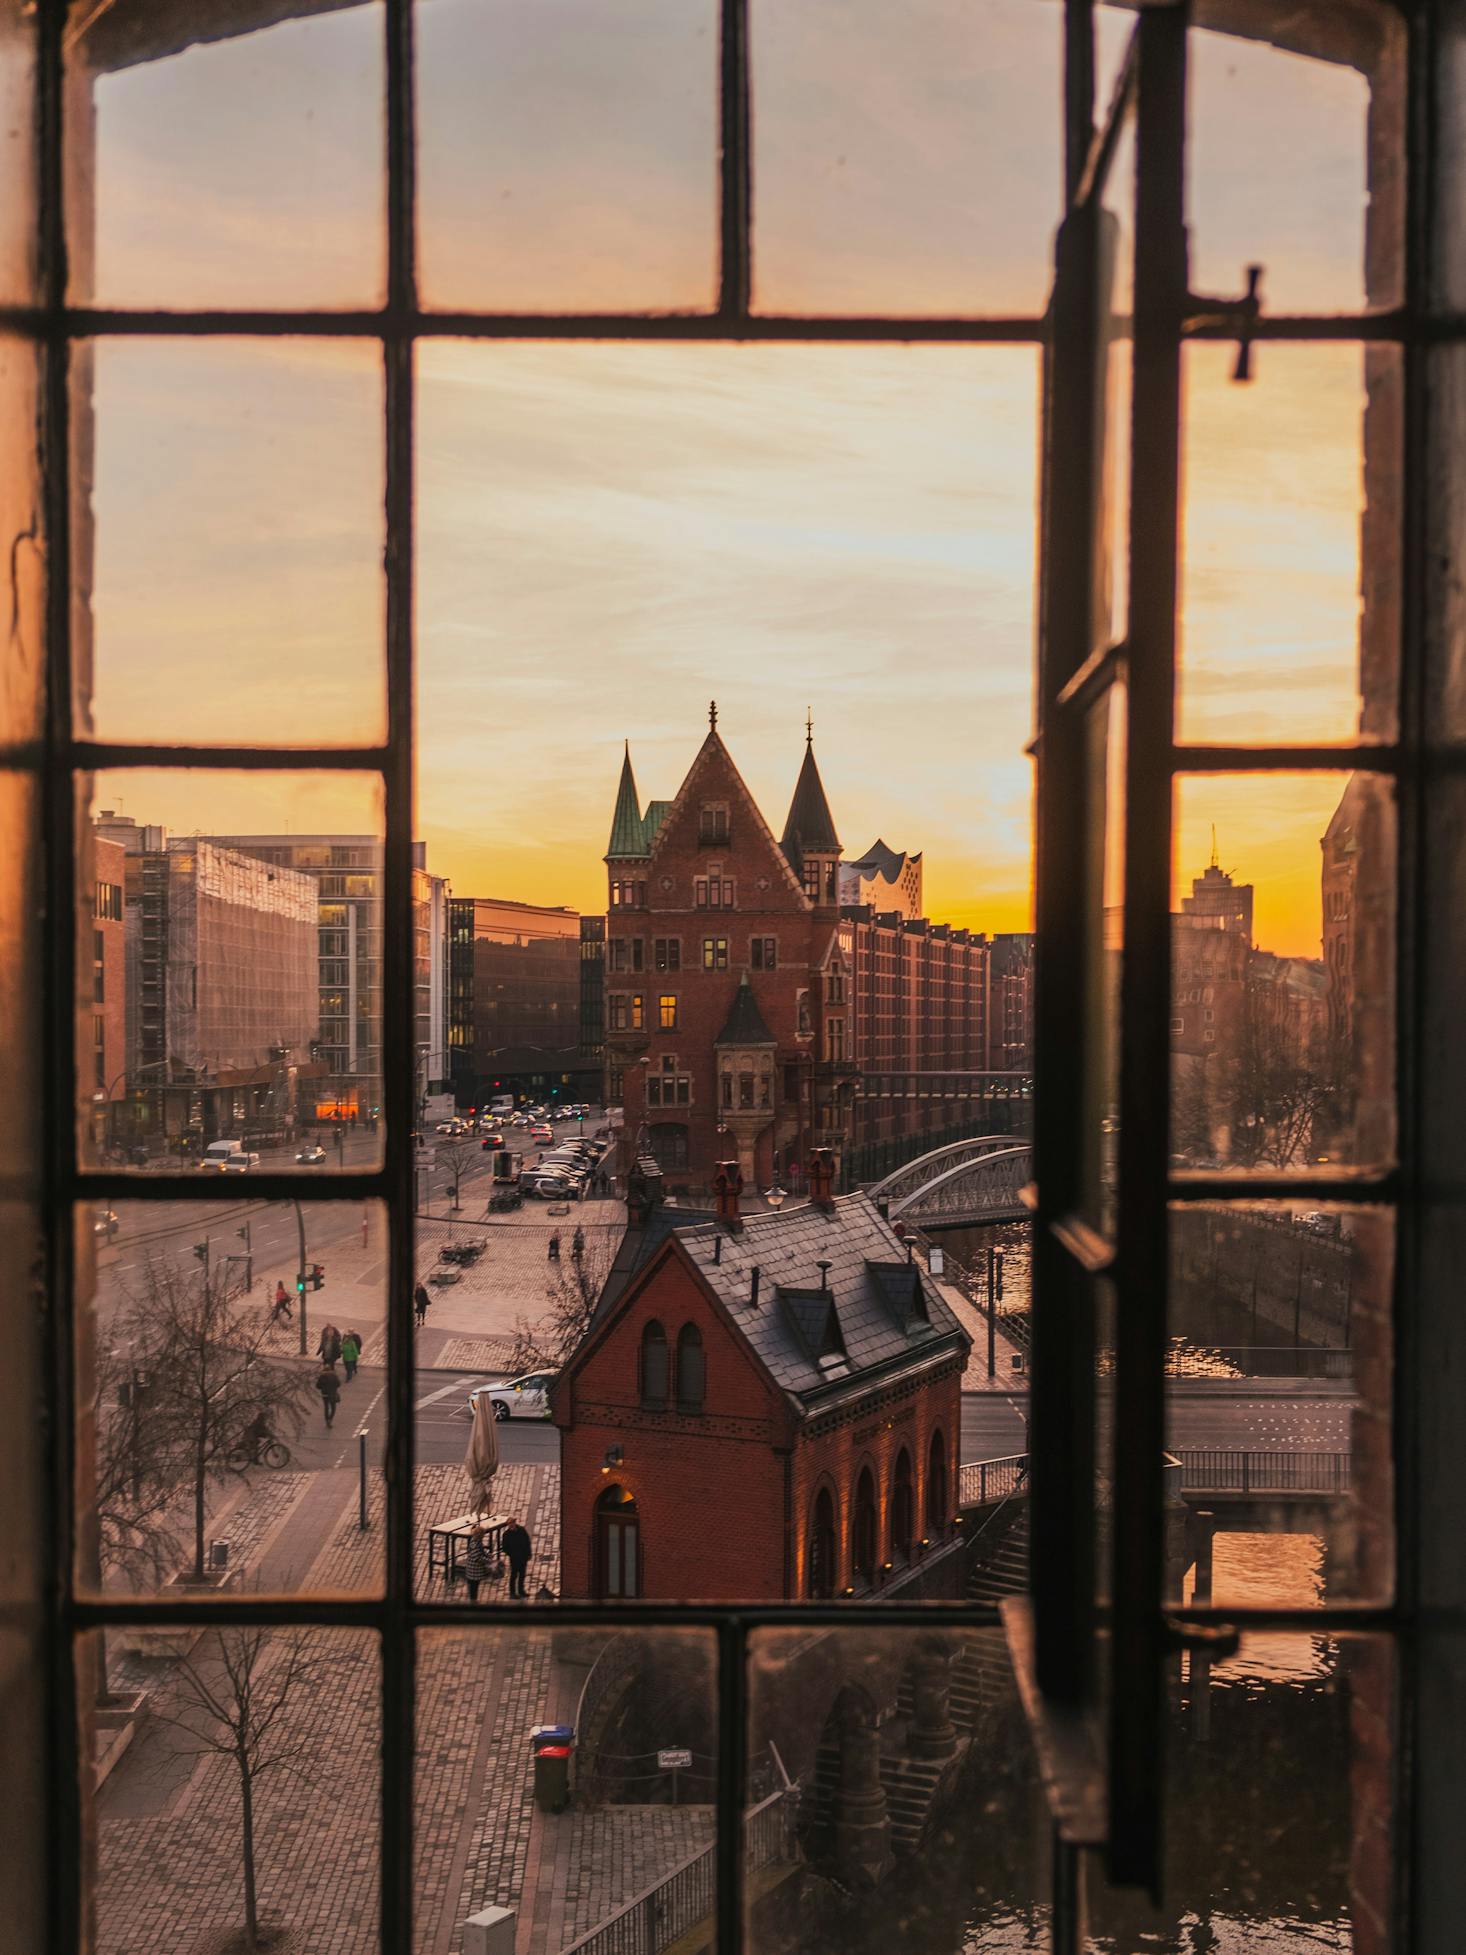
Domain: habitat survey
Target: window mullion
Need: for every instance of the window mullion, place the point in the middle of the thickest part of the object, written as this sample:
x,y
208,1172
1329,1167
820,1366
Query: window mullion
x,y
1137,1704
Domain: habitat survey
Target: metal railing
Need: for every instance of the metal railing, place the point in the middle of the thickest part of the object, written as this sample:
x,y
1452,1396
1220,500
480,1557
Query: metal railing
x,y
982,1481
1215,1469
674,1905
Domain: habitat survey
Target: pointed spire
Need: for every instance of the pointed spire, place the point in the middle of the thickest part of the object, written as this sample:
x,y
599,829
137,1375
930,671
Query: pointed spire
x,y
712,716
1215,861
627,834
810,828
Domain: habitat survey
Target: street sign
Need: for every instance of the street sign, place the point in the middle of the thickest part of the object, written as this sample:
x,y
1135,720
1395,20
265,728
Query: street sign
x,y
674,1761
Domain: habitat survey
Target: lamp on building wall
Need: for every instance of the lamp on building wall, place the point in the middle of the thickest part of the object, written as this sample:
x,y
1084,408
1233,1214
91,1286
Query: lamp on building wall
x,y
775,1197
614,1457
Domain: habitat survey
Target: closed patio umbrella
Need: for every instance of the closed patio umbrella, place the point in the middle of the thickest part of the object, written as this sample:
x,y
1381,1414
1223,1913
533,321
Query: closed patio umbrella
x,y
481,1461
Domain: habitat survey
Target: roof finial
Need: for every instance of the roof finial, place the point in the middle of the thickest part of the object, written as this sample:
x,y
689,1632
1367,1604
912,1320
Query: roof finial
x,y
713,715
1214,862
809,726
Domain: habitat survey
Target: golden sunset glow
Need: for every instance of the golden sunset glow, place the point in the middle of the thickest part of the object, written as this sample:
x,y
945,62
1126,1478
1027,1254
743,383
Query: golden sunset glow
x,y
609,536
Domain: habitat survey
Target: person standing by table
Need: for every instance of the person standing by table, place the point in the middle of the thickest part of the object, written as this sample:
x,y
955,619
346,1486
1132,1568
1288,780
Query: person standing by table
x,y
517,1547
475,1561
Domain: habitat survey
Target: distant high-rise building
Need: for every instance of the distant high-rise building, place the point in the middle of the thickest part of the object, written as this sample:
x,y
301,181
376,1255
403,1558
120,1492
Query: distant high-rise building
x,y
103,1072
514,1000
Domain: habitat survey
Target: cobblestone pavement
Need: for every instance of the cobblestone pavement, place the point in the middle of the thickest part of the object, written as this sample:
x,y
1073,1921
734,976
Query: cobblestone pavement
x,y
488,1354
608,1856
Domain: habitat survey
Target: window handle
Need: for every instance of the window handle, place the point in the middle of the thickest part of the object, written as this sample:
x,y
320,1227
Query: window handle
x,y
1242,314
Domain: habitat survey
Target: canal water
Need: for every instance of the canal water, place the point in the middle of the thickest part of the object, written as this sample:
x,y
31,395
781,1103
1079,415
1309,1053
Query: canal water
x,y
1258,1815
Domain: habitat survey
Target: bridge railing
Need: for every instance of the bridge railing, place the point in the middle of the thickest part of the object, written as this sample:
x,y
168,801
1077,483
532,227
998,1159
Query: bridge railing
x,y
1221,1469
982,1481
674,1905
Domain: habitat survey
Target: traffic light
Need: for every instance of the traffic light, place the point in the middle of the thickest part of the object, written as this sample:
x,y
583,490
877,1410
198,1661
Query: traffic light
x,y
300,1286
201,1250
318,1276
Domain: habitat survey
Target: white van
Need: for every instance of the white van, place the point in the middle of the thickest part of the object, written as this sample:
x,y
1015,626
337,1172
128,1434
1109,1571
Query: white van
x,y
228,1157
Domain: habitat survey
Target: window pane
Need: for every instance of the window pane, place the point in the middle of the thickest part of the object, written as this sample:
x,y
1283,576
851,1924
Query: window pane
x,y
567,155
498,1313
242,170
213,1453
241,1026
236,515
1282,972
1290,569
913,1785
1279,1395
635,1820
1294,161
1281,1796
286,1718
905,161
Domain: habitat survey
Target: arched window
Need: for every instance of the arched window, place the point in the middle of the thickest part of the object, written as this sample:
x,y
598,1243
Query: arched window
x,y
822,1549
669,1145
936,1486
617,1546
863,1546
691,1369
654,1367
901,1507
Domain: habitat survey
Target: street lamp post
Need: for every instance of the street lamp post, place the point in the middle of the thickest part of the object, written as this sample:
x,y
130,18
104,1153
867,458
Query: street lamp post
x,y
300,1271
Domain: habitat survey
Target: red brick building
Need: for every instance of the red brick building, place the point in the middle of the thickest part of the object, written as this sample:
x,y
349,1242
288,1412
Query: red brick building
x,y
745,1007
768,1409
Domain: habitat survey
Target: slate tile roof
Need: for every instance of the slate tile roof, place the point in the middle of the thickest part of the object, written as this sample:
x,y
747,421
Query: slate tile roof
x,y
870,1285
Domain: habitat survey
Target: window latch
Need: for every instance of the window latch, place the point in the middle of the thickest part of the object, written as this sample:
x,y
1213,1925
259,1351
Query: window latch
x,y
1240,315
1217,1640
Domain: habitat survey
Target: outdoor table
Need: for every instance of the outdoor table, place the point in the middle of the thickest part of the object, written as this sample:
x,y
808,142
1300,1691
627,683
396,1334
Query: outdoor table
x,y
448,1539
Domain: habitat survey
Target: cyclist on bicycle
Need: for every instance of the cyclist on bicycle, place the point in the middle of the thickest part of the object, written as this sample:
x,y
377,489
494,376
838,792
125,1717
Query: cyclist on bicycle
x,y
255,1437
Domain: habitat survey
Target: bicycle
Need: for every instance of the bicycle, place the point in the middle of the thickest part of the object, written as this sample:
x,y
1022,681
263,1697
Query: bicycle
x,y
271,1453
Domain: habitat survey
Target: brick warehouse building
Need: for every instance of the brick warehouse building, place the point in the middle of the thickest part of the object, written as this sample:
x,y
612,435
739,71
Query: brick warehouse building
x,y
768,1408
747,1010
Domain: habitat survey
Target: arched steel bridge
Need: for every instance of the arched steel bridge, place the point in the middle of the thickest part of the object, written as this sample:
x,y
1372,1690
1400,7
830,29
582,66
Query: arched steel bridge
x,y
977,1180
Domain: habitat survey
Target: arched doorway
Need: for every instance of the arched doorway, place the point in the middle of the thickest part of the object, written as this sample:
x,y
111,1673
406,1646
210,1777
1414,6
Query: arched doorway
x,y
863,1545
618,1570
823,1551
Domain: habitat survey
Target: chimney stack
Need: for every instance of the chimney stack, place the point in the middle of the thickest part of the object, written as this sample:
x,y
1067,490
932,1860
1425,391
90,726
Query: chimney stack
x,y
753,1288
727,1187
822,1178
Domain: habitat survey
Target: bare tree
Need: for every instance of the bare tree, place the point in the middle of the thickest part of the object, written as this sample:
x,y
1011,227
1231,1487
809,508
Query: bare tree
x,y
245,1693
211,1374
457,1156
134,1485
572,1291
1279,1087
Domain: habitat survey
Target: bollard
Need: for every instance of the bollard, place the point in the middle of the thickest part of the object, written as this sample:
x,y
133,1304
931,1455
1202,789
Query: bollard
x,y
361,1446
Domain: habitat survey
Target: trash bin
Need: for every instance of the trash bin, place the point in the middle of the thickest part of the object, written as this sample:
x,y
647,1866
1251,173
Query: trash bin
x,y
551,1734
552,1777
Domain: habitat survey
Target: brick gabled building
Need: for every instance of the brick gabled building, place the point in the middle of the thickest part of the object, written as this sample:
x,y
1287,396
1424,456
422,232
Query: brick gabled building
x,y
768,1410
721,1015
745,1004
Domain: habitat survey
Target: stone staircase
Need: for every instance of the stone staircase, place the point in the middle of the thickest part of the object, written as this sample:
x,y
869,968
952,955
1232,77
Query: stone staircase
x,y
1000,1569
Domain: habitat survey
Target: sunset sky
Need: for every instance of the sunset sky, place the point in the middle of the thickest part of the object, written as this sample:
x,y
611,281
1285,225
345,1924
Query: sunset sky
x,y
609,536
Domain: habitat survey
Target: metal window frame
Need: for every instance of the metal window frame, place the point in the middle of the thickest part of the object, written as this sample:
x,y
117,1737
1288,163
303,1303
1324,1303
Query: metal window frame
x,y
1063,1561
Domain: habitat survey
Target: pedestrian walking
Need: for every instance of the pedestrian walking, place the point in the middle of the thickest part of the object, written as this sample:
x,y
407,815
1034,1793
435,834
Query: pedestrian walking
x,y
420,1302
329,1387
553,1252
475,1561
350,1354
282,1303
577,1244
516,1544
329,1348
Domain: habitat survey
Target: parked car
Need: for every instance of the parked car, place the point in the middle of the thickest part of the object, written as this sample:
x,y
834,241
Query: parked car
x,y
311,1157
550,1187
517,1398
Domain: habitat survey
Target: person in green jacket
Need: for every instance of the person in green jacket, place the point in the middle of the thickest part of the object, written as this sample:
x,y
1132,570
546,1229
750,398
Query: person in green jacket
x,y
350,1354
